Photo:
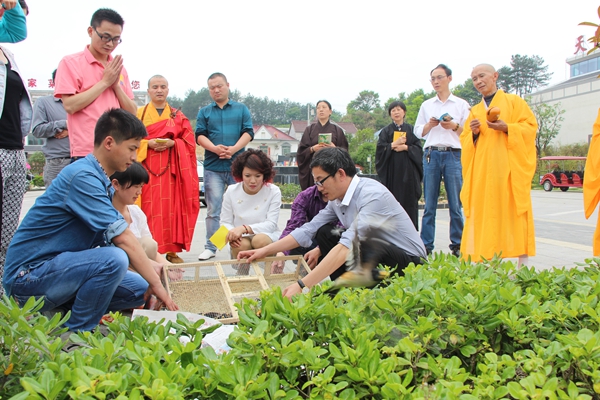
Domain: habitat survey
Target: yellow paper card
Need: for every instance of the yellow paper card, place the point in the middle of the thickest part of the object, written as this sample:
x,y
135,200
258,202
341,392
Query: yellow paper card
x,y
398,135
218,239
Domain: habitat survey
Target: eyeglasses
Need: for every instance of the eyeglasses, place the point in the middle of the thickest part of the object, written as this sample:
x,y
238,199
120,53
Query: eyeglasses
x,y
438,78
107,38
212,88
320,183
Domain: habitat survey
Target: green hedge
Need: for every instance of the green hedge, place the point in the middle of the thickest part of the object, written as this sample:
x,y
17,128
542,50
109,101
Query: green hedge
x,y
448,329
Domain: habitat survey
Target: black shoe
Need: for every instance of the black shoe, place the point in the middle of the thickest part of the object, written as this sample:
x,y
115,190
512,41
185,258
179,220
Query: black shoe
x,y
456,252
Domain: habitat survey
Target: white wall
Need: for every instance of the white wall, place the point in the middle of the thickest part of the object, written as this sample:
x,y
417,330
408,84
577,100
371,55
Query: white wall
x,y
580,102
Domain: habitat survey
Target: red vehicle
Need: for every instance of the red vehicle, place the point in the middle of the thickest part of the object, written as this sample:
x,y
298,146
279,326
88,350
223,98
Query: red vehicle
x,y
562,172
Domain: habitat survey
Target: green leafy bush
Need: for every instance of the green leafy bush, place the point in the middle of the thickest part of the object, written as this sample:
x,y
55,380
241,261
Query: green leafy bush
x,y
38,181
289,191
448,329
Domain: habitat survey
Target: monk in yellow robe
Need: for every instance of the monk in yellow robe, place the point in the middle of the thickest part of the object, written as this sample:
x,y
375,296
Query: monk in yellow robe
x,y
498,161
591,183
171,199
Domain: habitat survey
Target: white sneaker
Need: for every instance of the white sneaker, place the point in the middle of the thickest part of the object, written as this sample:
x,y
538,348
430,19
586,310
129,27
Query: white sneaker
x,y
205,255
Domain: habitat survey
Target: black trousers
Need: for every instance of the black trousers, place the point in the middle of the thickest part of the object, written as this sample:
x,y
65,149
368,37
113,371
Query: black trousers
x,y
373,251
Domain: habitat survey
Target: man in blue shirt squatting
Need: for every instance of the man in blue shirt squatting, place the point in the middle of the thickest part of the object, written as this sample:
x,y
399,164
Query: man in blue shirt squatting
x,y
223,128
73,249
368,211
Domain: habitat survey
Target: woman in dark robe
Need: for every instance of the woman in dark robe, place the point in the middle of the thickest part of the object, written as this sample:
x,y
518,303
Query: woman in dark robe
x,y
399,161
310,144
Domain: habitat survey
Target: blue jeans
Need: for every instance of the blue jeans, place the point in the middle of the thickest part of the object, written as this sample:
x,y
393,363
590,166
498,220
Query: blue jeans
x,y
90,283
215,184
446,165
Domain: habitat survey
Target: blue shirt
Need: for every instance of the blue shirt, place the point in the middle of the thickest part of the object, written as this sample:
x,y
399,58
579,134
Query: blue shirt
x,y
13,25
368,209
223,126
75,214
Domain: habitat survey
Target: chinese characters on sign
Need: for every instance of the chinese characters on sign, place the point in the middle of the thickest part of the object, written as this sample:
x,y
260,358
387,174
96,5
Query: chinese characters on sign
x,y
579,47
32,83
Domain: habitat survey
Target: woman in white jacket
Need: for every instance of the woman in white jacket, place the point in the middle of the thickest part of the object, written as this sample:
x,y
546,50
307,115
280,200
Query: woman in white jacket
x,y
250,208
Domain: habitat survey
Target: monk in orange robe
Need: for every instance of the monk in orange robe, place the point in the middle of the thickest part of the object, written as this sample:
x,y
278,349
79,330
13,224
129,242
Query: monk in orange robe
x,y
591,183
498,161
171,199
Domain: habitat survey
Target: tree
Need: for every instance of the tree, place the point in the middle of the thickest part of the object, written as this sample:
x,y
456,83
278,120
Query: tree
x,y
413,103
524,75
194,101
549,118
175,102
360,137
467,92
362,154
505,81
367,101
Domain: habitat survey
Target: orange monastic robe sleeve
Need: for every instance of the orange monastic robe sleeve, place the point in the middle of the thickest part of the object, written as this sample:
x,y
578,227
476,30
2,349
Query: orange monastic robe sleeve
x,y
591,182
497,174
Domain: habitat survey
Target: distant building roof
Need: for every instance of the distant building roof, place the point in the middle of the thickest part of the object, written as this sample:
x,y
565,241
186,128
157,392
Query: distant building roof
x,y
348,127
271,131
579,79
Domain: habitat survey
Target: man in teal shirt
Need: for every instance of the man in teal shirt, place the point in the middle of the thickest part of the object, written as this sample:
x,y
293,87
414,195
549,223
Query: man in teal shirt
x,y
223,128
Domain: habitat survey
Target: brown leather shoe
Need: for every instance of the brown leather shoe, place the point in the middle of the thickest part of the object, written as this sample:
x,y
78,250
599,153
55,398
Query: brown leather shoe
x,y
174,258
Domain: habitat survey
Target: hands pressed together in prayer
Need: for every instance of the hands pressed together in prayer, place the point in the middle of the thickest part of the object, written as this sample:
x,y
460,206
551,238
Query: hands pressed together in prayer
x,y
112,72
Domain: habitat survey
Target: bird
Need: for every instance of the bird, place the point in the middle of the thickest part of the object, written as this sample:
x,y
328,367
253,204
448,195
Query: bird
x,y
361,271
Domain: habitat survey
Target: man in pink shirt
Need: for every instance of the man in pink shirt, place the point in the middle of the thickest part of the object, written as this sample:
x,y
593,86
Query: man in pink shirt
x,y
92,81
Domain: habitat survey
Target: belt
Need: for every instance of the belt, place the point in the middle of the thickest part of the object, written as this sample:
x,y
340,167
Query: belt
x,y
442,148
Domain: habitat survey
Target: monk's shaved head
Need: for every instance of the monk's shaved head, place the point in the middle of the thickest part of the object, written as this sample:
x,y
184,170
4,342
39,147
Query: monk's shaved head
x,y
485,67
156,76
484,78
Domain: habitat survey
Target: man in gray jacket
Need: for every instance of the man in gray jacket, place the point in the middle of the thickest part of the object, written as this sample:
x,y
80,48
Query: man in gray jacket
x,y
50,123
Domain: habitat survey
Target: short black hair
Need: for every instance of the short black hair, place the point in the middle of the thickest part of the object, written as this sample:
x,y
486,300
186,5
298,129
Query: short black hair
x,y
253,159
331,159
120,124
395,104
136,174
447,70
326,102
106,14
217,75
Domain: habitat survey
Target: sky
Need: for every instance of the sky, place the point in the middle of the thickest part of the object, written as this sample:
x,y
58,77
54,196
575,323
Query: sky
x,y
309,50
